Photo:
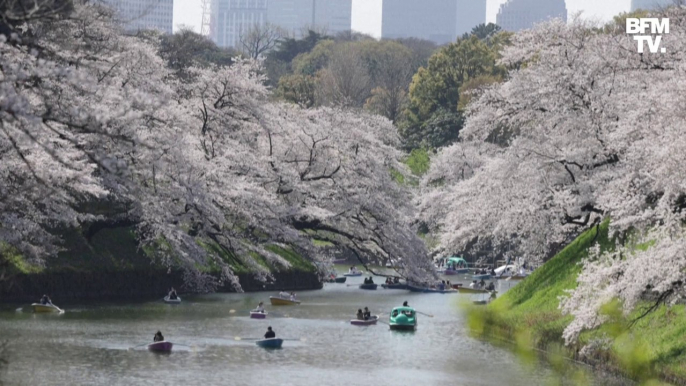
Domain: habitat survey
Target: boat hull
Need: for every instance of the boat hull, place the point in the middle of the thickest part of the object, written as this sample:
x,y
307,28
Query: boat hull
x,y
352,274
403,327
172,301
369,322
45,308
368,286
394,286
270,343
481,277
341,279
277,301
258,315
162,346
469,290
431,290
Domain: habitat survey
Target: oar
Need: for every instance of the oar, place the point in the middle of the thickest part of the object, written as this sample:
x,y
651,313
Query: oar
x,y
429,315
140,345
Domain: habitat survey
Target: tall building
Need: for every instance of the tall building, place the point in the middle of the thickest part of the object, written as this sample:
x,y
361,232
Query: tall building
x,y
440,21
470,13
515,15
230,18
135,15
296,16
650,4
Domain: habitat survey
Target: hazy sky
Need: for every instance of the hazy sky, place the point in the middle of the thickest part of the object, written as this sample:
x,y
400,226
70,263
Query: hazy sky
x,y
189,12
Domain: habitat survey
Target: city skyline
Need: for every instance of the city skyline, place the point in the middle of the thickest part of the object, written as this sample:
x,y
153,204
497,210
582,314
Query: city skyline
x,y
189,12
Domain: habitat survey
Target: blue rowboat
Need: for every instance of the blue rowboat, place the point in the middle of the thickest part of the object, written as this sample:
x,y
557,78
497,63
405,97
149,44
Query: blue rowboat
x,y
270,343
399,286
371,286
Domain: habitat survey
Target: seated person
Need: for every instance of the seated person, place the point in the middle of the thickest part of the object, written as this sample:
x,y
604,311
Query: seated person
x,y
45,300
292,298
366,315
260,308
172,294
441,286
270,333
396,280
360,315
158,337
405,304
371,281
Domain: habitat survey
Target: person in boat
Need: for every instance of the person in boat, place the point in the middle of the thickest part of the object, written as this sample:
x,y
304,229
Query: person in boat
x,y
491,286
172,294
270,333
292,298
482,283
366,314
493,272
396,280
405,304
260,308
371,281
360,315
45,300
158,337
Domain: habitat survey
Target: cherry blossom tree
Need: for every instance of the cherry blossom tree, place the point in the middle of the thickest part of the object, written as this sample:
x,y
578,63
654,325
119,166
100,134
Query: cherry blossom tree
x,y
204,163
584,128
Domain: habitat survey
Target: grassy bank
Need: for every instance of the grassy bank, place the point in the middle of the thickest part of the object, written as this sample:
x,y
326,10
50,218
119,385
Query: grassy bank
x,y
652,348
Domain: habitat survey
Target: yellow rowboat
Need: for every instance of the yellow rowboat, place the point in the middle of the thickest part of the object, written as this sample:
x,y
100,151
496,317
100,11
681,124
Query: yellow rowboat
x,y
277,301
37,307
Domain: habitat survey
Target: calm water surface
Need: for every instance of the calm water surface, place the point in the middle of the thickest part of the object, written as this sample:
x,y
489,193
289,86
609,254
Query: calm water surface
x,y
91,344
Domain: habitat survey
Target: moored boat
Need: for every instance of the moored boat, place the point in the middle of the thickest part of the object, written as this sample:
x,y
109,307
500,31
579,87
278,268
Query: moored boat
x,y
172,301
162,346
277,301
431,290
468,290
258,314
403,318
44,308
355,274
270,343
358,322
368,286
394,286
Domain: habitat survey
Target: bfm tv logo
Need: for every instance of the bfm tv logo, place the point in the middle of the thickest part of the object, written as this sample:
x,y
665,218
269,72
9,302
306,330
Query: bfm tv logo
x,y
636,26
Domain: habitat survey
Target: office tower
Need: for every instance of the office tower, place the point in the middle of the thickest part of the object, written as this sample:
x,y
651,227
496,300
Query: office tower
x,y
515,15
135,15
230,18
650,4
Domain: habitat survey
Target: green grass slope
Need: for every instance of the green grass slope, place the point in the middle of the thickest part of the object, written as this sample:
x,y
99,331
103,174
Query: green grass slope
x,y
653,347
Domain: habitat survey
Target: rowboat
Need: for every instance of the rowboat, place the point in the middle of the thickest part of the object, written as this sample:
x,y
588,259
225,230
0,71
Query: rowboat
x,y
459,271
431,290
403,318
277,301
270,343
341,279
370,286
454,266
368,322
172,301
352,274
394,286
37,307
258,314
162,346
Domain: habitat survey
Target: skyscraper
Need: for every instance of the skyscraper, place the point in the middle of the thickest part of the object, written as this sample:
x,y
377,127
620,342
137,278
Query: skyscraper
x,y
440,21
135,15
295,16
230,18
650,4
515,15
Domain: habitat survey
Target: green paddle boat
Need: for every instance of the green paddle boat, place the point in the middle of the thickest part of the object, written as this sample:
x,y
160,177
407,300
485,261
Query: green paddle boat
x,y
403,318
